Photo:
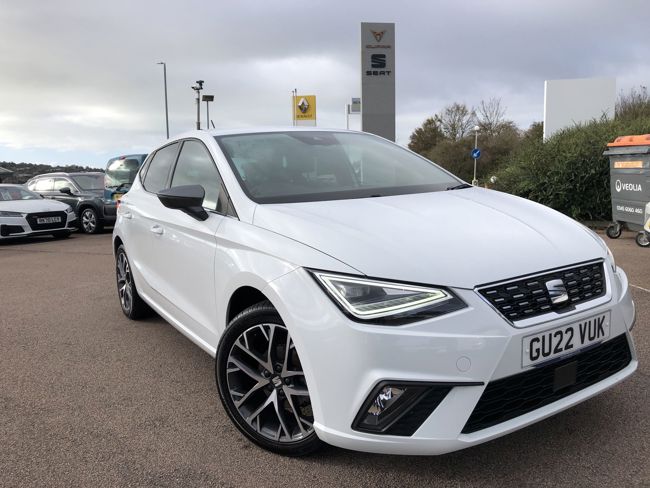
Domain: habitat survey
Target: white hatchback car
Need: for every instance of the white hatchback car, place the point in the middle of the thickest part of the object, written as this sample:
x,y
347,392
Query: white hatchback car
x,y
355,293
25,213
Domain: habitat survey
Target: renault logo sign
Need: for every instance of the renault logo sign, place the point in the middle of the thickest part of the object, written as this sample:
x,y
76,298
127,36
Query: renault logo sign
x,y
557,292
303,105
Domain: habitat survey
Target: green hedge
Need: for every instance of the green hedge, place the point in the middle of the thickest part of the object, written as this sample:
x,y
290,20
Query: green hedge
x,y
568,172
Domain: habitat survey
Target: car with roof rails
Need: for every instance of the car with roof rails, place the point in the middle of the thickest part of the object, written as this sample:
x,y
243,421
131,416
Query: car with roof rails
x,y
24,213
355,293
83,191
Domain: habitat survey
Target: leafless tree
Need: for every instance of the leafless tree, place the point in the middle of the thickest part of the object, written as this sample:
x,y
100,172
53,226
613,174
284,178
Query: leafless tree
x,y
490,116
456,121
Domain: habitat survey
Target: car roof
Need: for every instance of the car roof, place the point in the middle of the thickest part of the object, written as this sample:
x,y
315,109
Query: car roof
x,y
76,173
254,130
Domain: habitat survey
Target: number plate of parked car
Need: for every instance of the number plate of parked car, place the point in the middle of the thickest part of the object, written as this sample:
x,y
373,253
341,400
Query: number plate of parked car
x,y
564,340
48,220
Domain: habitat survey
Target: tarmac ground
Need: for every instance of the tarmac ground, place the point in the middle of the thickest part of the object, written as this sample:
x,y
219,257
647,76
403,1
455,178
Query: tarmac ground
x,y
89,398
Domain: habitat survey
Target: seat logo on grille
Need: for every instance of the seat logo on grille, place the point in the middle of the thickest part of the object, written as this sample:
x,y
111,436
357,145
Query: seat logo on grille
x,y
557,292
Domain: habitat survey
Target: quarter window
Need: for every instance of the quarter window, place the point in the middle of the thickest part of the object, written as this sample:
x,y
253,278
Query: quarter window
x,y
44,184
158,171
196,167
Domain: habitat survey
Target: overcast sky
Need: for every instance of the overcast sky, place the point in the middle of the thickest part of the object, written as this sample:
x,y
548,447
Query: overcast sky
x,y
79,81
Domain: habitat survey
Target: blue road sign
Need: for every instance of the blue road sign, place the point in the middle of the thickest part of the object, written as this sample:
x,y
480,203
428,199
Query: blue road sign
x,y
476,153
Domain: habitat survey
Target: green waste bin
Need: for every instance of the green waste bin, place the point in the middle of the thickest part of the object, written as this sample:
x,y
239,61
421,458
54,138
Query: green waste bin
x,y
629,169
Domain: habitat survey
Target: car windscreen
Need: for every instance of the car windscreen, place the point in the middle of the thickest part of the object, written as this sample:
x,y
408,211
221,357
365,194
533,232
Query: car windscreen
x,y
121,172
302,166
9,193
89,182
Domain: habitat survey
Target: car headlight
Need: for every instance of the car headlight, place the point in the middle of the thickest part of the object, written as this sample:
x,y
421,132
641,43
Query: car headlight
x,y
386,303
69,210
4,213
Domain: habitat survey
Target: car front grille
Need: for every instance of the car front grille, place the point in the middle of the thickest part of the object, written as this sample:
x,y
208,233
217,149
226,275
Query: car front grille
x,y
33,218
527,297
510,397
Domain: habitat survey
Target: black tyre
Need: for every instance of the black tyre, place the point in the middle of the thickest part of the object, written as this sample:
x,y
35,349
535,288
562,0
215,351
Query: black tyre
x,y
132,305
62,234
642,239
261,383
89,222
614,231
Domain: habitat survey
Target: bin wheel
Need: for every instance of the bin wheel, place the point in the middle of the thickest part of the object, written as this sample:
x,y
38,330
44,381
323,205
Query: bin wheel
x,y
642,239
614,231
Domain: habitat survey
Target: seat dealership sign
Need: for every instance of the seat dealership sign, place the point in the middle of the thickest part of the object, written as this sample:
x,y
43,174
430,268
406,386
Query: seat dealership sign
x,y
378,79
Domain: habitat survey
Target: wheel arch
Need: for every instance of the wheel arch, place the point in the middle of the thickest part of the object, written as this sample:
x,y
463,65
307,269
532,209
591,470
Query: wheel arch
x,y
117,242
243,297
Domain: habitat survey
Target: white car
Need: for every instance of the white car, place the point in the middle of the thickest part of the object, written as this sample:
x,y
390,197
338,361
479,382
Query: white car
x,y
25,213
355,293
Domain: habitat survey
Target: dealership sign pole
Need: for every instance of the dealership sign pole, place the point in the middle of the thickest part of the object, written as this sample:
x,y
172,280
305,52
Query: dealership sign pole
x,y
378,79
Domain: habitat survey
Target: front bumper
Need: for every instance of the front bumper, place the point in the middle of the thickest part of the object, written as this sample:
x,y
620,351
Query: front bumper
x,y
13,227
344,361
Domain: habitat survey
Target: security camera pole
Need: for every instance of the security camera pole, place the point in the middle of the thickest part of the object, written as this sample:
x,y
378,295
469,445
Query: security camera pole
x,y
197,88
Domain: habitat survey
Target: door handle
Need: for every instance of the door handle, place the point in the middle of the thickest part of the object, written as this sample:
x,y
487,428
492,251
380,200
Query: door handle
x,y
127,215
157,229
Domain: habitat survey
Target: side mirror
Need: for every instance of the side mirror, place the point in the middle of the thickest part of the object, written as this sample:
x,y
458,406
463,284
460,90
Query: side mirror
x,y
187,198
66,190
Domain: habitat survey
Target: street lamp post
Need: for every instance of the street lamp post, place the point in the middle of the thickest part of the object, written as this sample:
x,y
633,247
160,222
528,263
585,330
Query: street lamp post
x,y
164,65
476,129
197,88
207,99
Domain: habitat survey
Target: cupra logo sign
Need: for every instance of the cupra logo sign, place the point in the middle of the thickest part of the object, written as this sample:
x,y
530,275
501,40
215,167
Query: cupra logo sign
x,y
378,35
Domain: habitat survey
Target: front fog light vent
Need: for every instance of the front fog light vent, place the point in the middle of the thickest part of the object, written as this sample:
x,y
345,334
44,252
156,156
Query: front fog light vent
x,y
400,408
386,397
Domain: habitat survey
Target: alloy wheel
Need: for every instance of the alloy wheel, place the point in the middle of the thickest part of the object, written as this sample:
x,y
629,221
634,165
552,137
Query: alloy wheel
x,y
124,282
267,385
88,221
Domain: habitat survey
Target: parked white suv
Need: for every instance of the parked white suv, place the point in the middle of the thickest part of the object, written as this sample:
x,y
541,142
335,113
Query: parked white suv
x,y
355,293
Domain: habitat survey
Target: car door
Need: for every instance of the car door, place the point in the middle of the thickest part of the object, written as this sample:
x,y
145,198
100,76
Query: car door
x,y
138,209
187,246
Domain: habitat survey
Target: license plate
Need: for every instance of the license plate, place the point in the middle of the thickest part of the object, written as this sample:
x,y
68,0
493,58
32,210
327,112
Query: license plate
x,y
117,196
567,339
48,220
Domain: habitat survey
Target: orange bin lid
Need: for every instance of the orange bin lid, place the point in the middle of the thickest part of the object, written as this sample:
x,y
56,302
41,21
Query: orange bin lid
x,y
639,140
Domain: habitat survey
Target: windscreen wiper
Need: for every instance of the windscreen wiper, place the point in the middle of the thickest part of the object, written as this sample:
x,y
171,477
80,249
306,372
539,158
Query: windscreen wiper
x,y
459,187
